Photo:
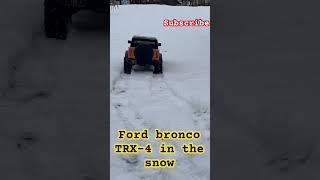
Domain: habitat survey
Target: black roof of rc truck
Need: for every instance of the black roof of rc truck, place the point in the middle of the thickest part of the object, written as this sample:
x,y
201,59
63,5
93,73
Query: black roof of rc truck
x,y
144,38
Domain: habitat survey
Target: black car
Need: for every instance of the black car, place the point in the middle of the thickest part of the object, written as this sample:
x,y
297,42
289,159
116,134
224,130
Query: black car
x,y
143,51
57,14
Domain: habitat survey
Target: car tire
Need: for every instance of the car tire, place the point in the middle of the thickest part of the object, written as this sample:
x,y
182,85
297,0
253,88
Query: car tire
x,y
56,20
158,66
127,67
50,21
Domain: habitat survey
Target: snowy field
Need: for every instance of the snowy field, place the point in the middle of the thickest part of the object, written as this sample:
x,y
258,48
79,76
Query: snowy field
x,y
177,100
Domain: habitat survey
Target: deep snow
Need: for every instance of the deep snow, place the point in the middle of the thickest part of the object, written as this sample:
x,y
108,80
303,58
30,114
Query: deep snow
x,y
178,100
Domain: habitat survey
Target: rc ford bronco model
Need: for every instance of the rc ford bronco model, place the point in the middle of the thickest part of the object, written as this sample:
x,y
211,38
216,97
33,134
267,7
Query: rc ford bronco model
x,y
57,14
143,51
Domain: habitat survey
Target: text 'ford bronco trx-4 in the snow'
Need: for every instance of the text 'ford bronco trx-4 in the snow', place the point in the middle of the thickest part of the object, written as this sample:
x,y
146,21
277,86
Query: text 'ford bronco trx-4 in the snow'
x,y
143,51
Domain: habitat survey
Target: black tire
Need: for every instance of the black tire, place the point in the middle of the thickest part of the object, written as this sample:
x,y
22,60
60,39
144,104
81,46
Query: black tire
x,y
127,67
50,21
158,66
55,20
62,23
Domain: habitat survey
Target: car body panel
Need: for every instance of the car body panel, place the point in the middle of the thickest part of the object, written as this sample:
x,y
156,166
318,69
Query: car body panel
x,y
144,50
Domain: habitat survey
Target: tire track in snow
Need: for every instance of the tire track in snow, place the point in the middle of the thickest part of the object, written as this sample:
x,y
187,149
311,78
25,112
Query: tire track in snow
x,y
198,108
120,93
120,90
201,112
154,86
197,116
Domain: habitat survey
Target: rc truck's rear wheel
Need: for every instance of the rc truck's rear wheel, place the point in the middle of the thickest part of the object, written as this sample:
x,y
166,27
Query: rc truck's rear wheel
x,y
50,21
56,18
158,66
127,67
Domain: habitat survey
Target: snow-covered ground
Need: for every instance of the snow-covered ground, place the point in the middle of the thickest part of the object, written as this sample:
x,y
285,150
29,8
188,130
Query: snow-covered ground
x,y
178,100
58,96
